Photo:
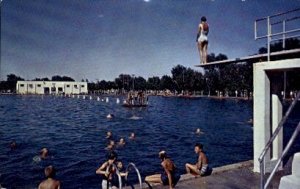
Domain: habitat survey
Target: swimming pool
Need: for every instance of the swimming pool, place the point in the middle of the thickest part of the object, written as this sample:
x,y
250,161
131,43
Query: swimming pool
x,y
74,132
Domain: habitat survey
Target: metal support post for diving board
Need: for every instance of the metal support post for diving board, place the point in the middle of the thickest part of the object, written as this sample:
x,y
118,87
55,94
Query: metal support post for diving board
x,y
269,37
283,35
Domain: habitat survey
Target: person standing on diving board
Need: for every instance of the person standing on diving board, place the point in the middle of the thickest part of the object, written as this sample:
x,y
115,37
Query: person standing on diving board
x,y
202,40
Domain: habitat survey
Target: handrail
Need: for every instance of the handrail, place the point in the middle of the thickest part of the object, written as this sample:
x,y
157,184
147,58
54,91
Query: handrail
x,y
117,172
137,172
279,14
279,127
286,149
276,132
283,32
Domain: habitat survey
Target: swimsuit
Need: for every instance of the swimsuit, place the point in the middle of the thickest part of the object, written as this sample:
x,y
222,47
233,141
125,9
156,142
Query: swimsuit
x,y
204,168
174,177
203,36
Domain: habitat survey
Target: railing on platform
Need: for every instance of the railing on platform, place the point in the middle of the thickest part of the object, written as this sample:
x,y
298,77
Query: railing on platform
x,y
284,19
263,184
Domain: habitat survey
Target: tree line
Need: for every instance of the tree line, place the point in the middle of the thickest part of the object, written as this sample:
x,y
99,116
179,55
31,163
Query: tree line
x,y
226,79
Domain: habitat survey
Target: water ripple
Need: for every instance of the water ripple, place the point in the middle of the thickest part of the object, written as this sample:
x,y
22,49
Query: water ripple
x,y
74,132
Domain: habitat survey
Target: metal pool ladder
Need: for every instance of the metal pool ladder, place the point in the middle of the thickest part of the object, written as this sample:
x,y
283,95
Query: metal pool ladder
x,y
137,172
264,184
127,170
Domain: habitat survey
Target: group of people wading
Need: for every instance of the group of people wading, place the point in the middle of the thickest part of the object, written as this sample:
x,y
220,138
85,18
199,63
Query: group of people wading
x,y
136,99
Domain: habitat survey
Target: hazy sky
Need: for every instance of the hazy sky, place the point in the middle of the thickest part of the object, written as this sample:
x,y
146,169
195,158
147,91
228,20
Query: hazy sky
x,y
100,39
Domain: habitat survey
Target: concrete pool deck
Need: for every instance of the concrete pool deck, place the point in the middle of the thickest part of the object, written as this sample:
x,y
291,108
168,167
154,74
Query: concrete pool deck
x,y
234,176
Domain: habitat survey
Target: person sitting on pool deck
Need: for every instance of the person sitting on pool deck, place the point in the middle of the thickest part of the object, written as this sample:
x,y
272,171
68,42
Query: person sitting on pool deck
x,y
169,176
201,167
50,182
107,171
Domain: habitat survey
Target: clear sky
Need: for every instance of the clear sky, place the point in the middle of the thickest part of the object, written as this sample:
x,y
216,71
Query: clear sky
x,y
100,39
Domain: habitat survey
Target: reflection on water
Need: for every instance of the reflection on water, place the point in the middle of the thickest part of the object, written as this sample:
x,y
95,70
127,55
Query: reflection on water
x,y
74,131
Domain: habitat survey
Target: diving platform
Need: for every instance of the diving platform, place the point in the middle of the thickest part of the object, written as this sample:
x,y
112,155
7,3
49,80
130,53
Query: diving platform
x,y
253,58
288,24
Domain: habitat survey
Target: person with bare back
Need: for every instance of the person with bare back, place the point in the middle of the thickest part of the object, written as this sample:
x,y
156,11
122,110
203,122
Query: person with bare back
x,y
202,40
50,182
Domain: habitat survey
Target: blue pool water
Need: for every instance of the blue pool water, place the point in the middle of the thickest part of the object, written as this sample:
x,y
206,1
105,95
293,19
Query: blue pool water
x,y
74,132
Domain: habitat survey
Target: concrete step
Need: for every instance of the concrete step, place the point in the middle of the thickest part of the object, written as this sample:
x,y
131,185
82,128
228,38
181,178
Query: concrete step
x,y
289,182
292,181
296,165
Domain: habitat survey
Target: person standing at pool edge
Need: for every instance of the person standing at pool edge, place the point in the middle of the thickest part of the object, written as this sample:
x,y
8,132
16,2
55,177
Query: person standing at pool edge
x,y
201,167
107,170
50,182
202,40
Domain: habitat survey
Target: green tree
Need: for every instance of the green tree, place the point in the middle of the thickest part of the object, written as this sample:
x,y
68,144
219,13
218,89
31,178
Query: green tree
x,y
11,82
179,76
167,82
153,83
140,83
61,78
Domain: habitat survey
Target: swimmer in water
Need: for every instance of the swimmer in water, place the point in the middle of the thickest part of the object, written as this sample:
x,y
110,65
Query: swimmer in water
x,y
122,172
250,121
107,171
198,131
44,153
121,142
50,182
110,116
108,135
132,136
13,145
111,145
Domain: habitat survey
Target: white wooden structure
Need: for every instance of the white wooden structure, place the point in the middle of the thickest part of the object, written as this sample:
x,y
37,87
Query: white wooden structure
x,y
51,87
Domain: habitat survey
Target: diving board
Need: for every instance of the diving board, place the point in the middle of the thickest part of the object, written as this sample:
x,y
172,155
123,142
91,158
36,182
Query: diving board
x,y
289,30
255,58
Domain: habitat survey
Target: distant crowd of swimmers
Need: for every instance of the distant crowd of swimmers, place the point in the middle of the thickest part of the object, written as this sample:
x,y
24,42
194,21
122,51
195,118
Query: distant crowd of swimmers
x,y
136,98
169,175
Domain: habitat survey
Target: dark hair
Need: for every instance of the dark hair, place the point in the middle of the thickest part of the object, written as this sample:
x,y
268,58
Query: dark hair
x,y
163,155
203,19
50,171
199,145
112,155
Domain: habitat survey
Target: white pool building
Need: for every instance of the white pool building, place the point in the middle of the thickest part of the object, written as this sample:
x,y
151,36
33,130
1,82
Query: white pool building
x,y
51,87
